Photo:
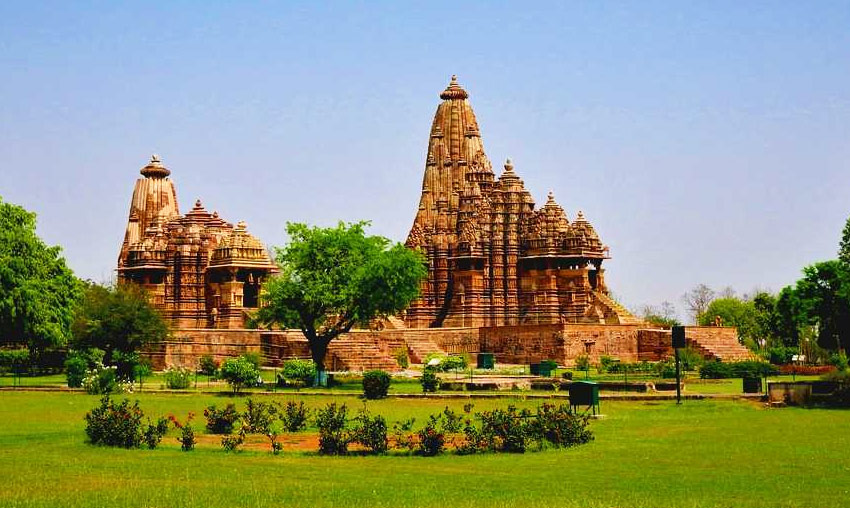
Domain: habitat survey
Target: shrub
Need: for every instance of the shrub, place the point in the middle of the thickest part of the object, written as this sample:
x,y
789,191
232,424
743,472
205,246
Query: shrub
x,y
333,436
258,416
104,380
690,358
582,362
294,416
505,430
233,442
401,357
402,438
154,433
370,431
840,361
559,426
14,360
75,370
115,425
430,381
208,366
781,355
432,438
297,372
454,363
806,370
254,359
606,363
666,369
376,383
239,372
721,370
178,378
187,433
221,421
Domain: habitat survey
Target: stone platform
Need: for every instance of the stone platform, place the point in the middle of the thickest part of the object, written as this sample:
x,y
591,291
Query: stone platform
x,y
362,350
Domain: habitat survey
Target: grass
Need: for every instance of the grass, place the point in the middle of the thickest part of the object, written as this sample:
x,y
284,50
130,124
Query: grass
x,y
707,453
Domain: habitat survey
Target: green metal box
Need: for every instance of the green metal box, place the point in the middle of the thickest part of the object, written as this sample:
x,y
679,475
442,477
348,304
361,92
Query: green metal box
x,y
584,393
485,361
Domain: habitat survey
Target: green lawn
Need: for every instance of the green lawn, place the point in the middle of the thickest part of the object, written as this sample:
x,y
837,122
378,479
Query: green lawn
x,y
703,453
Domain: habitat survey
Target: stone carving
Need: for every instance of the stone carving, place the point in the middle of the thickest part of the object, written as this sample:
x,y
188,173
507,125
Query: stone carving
x,y
200,271
493,259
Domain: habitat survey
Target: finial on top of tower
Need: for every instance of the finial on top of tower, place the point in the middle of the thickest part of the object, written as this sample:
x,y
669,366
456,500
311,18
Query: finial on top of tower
x,y
509,166
454,91
155,169
550,198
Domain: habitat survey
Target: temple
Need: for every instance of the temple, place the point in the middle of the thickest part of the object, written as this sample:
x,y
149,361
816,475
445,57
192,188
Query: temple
x,y
505,277
493,259
199,270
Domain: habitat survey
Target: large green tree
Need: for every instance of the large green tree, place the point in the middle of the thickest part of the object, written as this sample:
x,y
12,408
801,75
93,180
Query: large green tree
x,y
38,291
332,279
120,321
823,296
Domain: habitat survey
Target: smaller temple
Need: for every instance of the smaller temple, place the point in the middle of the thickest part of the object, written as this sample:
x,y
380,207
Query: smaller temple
x,y
199,270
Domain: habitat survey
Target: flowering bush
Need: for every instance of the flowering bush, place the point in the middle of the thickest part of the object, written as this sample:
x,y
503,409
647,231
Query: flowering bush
x,y
178,378
187,433
104,380
113,424
297,373
221,421
154,433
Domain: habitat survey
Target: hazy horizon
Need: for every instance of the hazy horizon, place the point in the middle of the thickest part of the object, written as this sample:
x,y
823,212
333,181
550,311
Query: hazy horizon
x,y
707,143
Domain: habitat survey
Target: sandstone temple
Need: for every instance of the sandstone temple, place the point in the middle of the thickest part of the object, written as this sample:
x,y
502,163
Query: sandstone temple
x,y
494,259
505,277
199,270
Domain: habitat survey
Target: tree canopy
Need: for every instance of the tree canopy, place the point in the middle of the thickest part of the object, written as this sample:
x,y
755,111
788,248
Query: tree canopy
x,y
38,291
118,320
332,279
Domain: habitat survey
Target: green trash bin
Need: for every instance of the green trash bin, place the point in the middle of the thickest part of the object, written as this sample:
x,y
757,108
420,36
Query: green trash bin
x,y
586,394
485,361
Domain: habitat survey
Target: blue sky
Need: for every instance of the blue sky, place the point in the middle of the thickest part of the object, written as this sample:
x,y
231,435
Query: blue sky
x,y
708,142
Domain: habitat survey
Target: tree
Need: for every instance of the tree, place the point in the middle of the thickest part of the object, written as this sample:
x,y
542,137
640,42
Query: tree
x,y
663,316
844,246
788,318
120,321
334,278
38,291
697,300
823,296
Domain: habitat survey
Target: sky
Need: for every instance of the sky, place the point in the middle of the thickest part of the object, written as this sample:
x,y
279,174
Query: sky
x,y
708,142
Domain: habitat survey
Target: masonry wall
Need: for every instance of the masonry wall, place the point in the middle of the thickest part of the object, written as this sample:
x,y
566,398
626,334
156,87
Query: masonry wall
x,y
369,349
187,346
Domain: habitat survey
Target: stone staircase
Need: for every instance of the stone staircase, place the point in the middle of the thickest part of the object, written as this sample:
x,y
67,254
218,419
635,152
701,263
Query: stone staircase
x,y
624,316
358,353
418,348
719,349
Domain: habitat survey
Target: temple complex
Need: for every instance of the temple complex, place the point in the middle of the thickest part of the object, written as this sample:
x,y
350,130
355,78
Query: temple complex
x,y
199,270
495,260
524,283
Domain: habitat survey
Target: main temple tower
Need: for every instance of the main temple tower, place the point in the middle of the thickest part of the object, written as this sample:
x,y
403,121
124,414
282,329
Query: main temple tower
x,y
493,259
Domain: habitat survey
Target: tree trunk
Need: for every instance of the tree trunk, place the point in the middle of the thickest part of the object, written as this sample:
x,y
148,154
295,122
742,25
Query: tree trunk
x,y
319,349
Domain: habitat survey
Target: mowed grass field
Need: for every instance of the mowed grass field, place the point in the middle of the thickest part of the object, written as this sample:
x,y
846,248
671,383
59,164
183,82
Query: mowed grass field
x,y
646,454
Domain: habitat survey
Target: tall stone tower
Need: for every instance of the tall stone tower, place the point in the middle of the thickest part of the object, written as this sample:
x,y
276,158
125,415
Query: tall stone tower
x,y
493,259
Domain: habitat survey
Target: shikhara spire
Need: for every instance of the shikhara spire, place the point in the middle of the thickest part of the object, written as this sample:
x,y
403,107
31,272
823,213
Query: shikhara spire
x,y
493,259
